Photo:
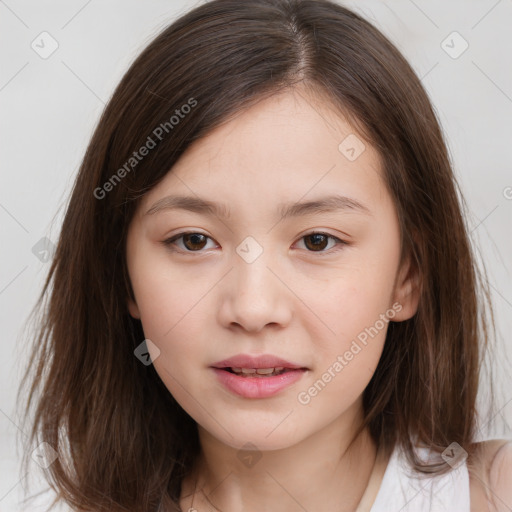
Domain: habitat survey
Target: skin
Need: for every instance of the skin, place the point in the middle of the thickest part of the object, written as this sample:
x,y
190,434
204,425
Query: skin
x,y
304,305
490,474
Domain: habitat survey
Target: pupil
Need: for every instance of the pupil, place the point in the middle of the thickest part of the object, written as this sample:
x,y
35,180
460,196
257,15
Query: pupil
x,y
317,238
193,237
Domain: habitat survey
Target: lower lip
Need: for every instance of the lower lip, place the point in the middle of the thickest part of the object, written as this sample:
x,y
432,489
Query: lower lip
x,y
258,387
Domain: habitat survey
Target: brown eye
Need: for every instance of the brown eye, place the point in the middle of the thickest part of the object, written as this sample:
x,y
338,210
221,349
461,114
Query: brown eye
x,y
191,242
194,241
319,242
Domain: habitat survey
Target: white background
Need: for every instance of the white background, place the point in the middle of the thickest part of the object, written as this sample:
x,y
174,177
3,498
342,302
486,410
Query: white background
x,y
49,108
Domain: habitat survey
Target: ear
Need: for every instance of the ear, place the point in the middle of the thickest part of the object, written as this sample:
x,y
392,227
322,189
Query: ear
x,y
407,290
133,308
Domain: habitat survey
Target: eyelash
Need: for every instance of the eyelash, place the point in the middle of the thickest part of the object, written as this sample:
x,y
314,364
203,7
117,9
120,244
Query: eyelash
x,y
171,241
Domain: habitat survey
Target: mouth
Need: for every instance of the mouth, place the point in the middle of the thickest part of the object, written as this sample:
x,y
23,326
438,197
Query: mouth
x,y
254,365
258,382
257,376
258,372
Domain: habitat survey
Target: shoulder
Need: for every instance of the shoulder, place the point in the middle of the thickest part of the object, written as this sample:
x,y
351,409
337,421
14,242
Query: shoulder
x,y
490,476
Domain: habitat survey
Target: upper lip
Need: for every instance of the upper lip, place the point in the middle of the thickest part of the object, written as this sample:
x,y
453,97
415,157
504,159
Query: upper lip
x,y
260,361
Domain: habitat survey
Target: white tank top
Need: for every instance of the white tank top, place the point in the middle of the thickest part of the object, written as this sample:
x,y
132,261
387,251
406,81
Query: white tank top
x,y
401,491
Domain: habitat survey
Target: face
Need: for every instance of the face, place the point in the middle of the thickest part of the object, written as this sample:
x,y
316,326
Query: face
x,y
314,285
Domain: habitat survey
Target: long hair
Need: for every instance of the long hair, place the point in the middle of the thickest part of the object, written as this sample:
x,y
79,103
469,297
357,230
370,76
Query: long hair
x,y
123,442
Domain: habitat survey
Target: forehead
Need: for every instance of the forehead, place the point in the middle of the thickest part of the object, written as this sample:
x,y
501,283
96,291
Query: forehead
x,y
288,147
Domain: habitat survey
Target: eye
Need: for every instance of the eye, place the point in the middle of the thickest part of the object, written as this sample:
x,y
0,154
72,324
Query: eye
x,y
318,241
194,241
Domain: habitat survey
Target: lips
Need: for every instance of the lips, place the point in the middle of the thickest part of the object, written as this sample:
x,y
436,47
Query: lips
x,y
257,387
257,376
264,361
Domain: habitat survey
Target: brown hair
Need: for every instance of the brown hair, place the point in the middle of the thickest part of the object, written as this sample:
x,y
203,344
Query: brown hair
x,y
123,441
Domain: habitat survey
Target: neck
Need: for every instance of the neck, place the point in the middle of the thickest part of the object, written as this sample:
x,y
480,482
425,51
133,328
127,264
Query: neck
x,y
321,472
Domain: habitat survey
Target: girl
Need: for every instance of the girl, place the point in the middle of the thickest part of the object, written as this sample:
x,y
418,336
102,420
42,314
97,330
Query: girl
x,y
264,295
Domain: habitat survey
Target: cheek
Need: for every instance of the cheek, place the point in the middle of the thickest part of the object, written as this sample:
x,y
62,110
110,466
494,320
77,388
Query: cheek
x,y
359,311
350,321
170,301
173,319
166,297
346,355
353,299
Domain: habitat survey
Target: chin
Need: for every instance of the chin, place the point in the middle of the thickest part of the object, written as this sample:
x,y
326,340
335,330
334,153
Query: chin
x,y
263,438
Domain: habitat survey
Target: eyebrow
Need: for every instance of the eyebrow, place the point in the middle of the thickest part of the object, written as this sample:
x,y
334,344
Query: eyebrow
x,y
199,205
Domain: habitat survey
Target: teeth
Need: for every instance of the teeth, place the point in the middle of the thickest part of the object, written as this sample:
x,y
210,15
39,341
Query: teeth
x,y
258,371
265,371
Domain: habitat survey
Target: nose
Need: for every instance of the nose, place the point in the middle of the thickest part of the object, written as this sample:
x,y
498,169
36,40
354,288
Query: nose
x,y
255,295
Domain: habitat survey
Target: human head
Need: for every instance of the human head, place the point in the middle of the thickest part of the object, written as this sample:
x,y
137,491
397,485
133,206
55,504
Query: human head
x,y
220,59
253,288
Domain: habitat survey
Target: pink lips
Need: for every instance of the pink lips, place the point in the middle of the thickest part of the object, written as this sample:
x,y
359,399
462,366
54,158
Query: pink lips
x,y
248,361
257,387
